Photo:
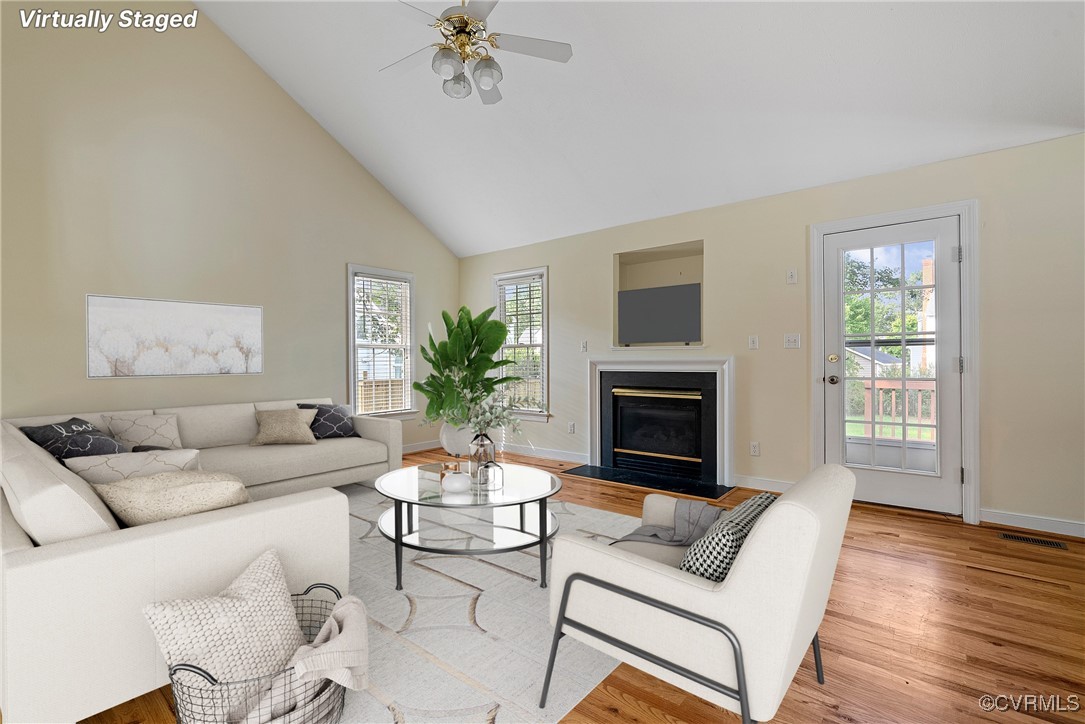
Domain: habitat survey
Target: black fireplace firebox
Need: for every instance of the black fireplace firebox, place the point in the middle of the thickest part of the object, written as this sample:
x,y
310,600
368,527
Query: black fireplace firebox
x,y
663,423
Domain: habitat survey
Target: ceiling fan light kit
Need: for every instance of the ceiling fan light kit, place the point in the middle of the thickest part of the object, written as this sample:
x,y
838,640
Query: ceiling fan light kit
x,y
465,40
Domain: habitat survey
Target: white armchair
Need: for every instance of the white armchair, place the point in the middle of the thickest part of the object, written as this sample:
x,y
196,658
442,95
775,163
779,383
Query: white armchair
x,y
736,643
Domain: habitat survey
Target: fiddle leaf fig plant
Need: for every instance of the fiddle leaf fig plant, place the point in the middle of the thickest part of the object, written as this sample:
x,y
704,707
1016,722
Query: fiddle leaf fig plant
x,y
462,362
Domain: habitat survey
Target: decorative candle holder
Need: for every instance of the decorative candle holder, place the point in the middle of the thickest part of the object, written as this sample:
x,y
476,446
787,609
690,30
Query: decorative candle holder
x,y
491,477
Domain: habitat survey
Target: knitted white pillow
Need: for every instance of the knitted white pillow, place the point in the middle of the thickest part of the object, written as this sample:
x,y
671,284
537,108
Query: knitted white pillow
x,y
248,630
98,469
164,496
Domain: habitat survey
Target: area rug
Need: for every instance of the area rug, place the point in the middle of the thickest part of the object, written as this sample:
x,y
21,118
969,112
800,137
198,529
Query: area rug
x,y
467,638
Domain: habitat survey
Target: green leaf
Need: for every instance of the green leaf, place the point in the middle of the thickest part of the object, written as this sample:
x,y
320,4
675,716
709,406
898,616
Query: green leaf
x,y
492,335
456,351
450,324
478,321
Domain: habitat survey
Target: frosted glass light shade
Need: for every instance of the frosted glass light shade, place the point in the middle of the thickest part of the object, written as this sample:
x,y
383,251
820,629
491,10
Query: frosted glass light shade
x,y
487,73
447,63
457,86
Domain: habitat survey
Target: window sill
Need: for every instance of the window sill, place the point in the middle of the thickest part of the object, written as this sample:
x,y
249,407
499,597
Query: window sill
x,y
532,416
396,415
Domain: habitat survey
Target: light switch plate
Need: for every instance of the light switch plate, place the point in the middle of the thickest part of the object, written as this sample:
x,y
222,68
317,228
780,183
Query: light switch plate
x,y
792,276
753,342
792,341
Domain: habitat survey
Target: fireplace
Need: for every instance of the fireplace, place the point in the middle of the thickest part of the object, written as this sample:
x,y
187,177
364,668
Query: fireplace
x,y
661,423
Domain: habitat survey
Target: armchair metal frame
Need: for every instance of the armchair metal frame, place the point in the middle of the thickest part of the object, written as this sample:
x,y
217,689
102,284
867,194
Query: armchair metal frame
x,y
738,693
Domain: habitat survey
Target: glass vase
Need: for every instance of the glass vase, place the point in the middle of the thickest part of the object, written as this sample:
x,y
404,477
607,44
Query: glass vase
x,y
482,452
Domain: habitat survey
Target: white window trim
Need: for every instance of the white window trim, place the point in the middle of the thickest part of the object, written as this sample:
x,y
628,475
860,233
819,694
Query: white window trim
x,y
354,270
543,271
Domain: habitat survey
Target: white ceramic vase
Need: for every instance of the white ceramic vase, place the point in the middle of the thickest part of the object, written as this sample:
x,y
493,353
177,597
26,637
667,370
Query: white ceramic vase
x,y
456,440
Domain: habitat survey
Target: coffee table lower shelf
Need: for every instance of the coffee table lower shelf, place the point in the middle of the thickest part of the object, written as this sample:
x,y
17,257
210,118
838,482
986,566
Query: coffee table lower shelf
x,y
509,530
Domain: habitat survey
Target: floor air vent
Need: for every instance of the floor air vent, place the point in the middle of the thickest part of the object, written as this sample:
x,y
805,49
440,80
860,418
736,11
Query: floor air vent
x,y
1034,541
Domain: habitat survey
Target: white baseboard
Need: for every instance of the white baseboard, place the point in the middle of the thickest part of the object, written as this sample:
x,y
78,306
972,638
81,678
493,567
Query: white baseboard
x,y
1034,522
773,486
570,457
420,446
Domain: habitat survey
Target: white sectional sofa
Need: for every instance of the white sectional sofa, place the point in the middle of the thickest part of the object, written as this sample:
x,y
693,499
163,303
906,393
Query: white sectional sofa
x,y
73,640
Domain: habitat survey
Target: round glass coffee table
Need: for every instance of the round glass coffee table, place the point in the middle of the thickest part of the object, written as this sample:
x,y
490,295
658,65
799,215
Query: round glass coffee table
x,y
499,521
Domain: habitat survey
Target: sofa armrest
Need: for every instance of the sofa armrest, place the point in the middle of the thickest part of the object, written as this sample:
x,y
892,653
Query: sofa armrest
x,y
75,639
386,430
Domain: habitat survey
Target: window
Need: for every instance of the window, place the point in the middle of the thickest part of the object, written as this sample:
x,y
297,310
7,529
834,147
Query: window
x,y
521,305
380,340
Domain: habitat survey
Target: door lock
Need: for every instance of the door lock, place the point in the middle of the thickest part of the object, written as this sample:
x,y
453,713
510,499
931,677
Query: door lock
x,y
833,379
834,357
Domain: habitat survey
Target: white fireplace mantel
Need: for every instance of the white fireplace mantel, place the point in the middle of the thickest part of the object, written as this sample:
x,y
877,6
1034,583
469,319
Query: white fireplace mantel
x,y
724,369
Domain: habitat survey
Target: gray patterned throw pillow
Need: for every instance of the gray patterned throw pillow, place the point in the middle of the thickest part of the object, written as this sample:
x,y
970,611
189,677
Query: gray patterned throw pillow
x,y
98,469
133,430
330,421
711,555
71,439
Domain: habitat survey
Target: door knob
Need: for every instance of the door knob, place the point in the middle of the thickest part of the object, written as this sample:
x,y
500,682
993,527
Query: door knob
x,y
834,357
833,379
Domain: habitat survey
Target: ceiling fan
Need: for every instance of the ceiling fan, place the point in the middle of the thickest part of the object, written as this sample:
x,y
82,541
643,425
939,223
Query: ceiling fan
x,y
465,48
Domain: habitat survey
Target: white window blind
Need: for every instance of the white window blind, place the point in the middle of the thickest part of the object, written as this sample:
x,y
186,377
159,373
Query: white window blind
x,y
521,305
381,353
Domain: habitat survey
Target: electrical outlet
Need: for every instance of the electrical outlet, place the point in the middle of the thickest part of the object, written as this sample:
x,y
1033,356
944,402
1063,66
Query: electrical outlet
x,y
792,276
584,346
753,343
572,428
792,341
755,449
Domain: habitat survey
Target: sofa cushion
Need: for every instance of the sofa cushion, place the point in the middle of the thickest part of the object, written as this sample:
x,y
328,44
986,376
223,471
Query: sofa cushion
x,y
137,430
331,420
50,502
271,463
205,426
284,427
72,438
164,496
712,555
98,469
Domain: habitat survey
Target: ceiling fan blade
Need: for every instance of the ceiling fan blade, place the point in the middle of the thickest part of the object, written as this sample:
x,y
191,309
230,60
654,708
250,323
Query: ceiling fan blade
x,y
545,49
415,13
403,65
480,9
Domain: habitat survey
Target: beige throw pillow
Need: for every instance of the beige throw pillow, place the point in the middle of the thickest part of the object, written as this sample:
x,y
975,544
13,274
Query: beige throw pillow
x,y
248,630
132,430
100,469
164,496
284,427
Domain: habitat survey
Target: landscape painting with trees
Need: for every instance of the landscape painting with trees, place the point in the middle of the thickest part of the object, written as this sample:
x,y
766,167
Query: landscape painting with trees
x,y
129,337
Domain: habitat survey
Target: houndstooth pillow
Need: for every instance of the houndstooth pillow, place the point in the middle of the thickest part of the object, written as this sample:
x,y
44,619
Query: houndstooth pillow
x,y
330,421
711,555
248,630
133,430
99,469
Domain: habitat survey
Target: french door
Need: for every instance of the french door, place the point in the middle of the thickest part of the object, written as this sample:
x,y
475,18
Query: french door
x,y
892,361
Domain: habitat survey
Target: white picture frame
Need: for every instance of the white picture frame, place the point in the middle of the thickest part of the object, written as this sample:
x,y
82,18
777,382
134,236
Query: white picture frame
x,y
140,337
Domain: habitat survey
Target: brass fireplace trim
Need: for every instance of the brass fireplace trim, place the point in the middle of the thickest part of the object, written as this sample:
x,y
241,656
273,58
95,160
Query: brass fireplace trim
x,y
657,455
666,394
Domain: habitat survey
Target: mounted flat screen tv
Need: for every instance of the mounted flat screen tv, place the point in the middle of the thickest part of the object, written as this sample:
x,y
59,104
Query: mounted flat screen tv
x,y
660,315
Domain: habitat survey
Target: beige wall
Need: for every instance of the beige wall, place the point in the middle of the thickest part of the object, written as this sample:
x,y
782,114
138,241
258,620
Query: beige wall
x,y
170,166
1032,314
661,273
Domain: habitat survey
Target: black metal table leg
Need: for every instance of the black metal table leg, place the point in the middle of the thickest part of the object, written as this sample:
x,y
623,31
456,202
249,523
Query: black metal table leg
x,y
399,545
542,542
410,518
523,517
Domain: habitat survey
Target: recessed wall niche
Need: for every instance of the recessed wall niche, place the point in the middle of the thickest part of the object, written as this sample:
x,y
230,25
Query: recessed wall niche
x,y
657,296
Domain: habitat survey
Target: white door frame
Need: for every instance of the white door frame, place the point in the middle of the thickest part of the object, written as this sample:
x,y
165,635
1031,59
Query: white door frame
x,y
968,211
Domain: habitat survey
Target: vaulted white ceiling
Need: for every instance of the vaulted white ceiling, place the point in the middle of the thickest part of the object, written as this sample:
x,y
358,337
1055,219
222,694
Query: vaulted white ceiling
x,y
667,107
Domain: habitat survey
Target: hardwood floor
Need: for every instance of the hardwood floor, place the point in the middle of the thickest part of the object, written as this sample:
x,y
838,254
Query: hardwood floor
x,y
926,615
